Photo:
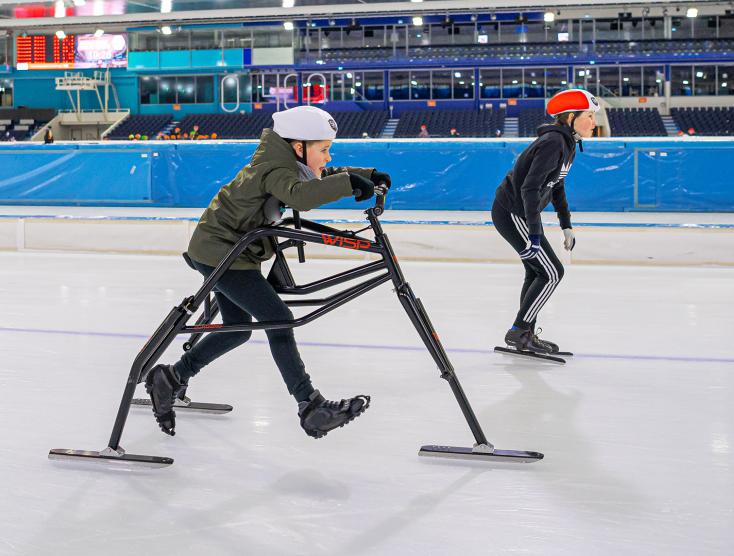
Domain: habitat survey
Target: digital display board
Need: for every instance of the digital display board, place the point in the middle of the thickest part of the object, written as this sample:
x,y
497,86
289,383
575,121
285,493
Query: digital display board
x,y
36,52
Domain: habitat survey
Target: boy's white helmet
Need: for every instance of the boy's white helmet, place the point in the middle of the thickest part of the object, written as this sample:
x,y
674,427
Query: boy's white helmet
x,y
305,123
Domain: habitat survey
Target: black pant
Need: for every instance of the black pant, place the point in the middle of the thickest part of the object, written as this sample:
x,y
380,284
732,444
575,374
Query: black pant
x,y
542,273
241,295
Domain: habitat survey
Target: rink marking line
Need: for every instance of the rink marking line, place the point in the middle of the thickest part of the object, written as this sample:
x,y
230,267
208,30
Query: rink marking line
x,y
419,222
673,358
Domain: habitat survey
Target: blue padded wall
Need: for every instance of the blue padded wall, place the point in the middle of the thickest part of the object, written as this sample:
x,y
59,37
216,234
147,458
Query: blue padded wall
x,y
610,175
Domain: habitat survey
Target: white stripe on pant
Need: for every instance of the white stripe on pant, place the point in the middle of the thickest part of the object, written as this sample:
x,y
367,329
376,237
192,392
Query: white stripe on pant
x,y
548,266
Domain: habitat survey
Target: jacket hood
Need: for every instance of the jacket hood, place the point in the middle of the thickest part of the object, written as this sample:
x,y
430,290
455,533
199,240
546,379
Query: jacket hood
x,y
274,149
564,130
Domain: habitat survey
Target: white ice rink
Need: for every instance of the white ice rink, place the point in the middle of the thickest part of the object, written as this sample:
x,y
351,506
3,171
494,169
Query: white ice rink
x,y
637,430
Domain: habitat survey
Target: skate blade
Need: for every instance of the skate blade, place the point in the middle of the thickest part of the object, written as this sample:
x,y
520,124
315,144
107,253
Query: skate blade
x,y
530,355
198,407
129,460
514,456
564,353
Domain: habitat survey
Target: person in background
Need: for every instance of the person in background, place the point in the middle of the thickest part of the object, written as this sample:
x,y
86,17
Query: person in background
x,y
423,133
498,133
454,133
691,131
365,135
194,132
48,137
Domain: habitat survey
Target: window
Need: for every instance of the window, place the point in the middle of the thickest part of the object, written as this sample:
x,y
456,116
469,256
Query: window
x,y
3,50
149,90
556,79
272,37
236,38
229,90
207,39
399,85
177,40
534,83
489,83
441,85
167,90
373,85
205,88
682,27
681,80
146,41
185,90
463,84
704,27
653,81
631,81
726,80
630,29
726,26
652,28
420,85
586,77
6,92
419,36
609,81
704,80
512,83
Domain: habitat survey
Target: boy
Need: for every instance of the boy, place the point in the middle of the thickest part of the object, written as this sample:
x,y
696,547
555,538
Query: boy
x,y
538,178
288,168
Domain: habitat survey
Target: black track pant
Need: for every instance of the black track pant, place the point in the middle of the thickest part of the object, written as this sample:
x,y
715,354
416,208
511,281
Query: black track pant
x,y
241,295
542,273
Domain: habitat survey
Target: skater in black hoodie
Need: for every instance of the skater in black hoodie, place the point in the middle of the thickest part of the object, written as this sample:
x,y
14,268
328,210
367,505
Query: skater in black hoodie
x,y
537,179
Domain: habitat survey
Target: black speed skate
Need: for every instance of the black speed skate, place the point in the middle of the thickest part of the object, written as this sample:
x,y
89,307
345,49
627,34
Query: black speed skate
x,y
526,343
164,386
550,346
319,416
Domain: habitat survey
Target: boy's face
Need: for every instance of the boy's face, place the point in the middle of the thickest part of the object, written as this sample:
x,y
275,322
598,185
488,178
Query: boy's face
x,y
317,154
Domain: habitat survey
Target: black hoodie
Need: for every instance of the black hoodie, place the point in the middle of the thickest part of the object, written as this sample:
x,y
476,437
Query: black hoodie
x,y
538,178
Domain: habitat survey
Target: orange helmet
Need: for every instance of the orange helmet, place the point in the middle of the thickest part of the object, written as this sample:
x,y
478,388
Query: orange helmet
x,y
572,100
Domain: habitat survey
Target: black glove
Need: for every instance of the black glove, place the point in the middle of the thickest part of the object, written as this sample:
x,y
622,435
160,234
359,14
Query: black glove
x,y
362,188
382,182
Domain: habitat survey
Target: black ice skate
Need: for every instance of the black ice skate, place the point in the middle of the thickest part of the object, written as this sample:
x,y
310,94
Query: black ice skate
x,y
319,416
164,386
526,344
552,348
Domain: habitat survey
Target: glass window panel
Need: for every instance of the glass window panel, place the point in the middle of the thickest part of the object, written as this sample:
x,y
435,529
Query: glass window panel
x,y
418,36
681,28
556,79
229,89
177,40
535,31
534,83
609,81
441,84
464,33
204,89
149,90
653,28
704,27
607,29
186,90
374,87
653,79
681,80
726,26
374,37
489,83
420,85
353,37
631,81
205,39
463,84
270,37
511,83
237,38
726,80
349,81
399,85
144,41
631,29
587,77
705,80
441,34
167,90
6,92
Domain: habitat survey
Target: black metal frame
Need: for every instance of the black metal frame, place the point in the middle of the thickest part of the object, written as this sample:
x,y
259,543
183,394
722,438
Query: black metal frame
x,y
281,278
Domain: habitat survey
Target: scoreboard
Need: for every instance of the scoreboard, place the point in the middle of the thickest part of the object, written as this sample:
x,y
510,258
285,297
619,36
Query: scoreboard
x,y
44,52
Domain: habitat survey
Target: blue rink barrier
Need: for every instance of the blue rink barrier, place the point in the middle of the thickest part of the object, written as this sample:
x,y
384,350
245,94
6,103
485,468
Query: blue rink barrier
x,y
609,176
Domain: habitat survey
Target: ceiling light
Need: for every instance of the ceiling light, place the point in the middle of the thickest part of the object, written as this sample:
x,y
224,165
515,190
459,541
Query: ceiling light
x,y
98,33
166,30
418,21
60,9
80,2
549,17
166,6
60,35
98,7
289,3
692,12
288,25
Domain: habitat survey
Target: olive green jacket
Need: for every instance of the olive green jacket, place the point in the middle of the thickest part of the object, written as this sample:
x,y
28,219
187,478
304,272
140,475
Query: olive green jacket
x,y
239,207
